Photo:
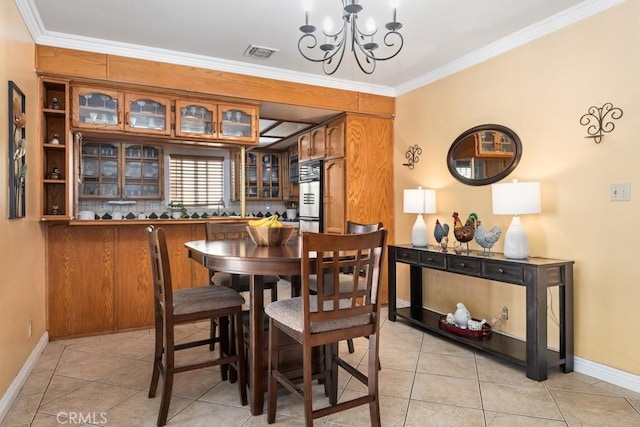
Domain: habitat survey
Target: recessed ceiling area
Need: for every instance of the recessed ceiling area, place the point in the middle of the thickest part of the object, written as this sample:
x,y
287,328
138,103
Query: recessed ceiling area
x,y
280,124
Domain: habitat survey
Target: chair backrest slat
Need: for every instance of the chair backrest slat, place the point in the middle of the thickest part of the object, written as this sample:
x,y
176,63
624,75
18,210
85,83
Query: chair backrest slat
x,y
161,271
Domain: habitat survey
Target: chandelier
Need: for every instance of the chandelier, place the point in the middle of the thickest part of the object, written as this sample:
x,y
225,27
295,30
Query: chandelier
x,y
364,49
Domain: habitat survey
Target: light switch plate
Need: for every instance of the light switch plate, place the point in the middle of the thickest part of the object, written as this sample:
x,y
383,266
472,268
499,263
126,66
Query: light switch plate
x,y
620,192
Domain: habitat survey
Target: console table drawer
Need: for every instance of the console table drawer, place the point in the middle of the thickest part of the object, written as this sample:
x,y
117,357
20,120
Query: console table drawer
x,y
432,260
465,265
503,272
407,256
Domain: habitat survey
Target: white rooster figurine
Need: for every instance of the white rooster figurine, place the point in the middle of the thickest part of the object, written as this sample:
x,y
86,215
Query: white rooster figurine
x,y
485,238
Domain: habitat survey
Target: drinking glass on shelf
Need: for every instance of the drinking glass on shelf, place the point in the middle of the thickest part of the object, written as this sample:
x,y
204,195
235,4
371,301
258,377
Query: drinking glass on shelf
x,y
87,97
193,110
155,107
229,113
202,112
238,116
104,98
133,121
141,104
93,116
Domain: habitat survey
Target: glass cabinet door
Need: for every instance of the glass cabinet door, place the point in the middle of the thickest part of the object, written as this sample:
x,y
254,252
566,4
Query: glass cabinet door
x,y
195,119
251,191
147,113
96,108
141,172
99,171
238,123
270,176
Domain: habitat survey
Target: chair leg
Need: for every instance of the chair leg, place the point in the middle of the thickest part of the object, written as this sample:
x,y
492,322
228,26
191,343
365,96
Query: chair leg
x,y
167,385
373,368
272,388
240,363
274,292
212,336
157,357
225,344
307,384
350,345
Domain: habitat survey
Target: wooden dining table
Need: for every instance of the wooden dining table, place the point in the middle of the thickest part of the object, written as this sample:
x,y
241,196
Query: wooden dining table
x,y
242,256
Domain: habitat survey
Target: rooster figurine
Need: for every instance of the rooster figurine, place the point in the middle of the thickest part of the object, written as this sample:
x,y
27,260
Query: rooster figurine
x,y
440,231
464,233
486,238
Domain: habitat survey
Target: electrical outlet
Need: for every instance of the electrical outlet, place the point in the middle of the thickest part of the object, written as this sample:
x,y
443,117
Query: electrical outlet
x,y
103,206
505,313
155,206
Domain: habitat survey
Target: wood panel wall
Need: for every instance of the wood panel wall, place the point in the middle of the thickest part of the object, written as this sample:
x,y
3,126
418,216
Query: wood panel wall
x,y
80,65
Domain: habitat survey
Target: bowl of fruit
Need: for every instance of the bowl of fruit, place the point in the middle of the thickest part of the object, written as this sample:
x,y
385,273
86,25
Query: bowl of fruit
x,y
269,231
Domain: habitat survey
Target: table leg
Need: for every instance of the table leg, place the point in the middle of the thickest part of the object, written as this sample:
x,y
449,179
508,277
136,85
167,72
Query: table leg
x,y
256,344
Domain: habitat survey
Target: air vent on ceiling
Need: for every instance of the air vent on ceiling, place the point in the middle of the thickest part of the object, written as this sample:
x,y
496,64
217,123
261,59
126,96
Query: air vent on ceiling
x,y
259,52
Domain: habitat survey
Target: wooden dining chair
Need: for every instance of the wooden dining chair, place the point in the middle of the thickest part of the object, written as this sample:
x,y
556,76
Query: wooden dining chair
x,y
344,279
331,315
173,307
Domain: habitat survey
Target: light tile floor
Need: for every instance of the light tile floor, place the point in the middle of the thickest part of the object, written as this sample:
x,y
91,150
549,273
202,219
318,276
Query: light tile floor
x,y
425,381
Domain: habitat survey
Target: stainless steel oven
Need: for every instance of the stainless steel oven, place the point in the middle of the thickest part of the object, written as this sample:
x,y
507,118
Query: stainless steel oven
x,y
310,207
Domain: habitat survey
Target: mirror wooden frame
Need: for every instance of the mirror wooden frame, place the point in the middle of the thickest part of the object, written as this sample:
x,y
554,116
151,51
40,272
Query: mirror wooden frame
x,y
505,171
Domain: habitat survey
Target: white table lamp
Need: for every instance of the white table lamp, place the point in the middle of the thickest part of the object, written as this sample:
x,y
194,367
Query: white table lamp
x,y
418,202
516,198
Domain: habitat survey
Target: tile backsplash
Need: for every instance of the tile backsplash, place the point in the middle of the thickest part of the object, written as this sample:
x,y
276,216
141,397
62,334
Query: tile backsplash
x,y
147,207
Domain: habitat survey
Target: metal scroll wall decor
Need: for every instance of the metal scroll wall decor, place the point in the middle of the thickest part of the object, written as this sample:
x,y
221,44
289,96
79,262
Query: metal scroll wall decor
x,y
412,155
600,120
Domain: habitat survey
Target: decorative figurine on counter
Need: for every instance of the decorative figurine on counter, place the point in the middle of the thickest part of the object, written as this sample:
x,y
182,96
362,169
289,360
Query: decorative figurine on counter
x,y
464,233
486,238
462,316
54,210
55,139
441,233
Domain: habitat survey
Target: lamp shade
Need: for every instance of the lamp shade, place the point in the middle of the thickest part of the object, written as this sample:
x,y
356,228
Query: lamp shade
x,y
418,202
515,198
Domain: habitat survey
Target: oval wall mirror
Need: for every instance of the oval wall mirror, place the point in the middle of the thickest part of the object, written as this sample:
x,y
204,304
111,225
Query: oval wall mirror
x,y
484,154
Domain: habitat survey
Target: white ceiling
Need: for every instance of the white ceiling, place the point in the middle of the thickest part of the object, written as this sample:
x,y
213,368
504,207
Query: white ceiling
x,y
440,36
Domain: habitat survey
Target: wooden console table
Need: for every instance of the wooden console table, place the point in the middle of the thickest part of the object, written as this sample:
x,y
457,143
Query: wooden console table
x,y
536,274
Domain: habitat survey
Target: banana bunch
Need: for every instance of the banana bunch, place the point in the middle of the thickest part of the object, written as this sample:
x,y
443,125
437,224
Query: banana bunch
x,y
271,221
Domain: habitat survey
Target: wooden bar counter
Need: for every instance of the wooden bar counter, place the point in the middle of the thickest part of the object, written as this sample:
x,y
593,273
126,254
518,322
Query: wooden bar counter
x,y
99,278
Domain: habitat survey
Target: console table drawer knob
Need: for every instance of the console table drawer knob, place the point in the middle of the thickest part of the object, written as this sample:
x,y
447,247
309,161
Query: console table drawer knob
x,y
500,270
462,264
430,259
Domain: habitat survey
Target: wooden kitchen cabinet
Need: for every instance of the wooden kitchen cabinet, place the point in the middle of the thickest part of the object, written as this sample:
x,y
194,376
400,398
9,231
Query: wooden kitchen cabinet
x,y
106,285
119,170
263,176
196,119
147,113
238,123
311,144
57,149
334,196
334,139
97,108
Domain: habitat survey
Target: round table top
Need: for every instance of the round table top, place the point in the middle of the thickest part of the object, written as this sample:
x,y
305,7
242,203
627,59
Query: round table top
x,y
242,256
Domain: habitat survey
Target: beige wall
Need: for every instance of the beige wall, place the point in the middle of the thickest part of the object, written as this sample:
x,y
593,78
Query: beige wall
x,y
22,263
540,90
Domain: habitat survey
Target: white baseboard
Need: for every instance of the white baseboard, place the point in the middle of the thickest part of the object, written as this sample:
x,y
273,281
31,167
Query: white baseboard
x,y
604,373
15,387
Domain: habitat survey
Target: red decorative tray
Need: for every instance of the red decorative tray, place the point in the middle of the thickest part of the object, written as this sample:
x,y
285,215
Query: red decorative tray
x,y
485,332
